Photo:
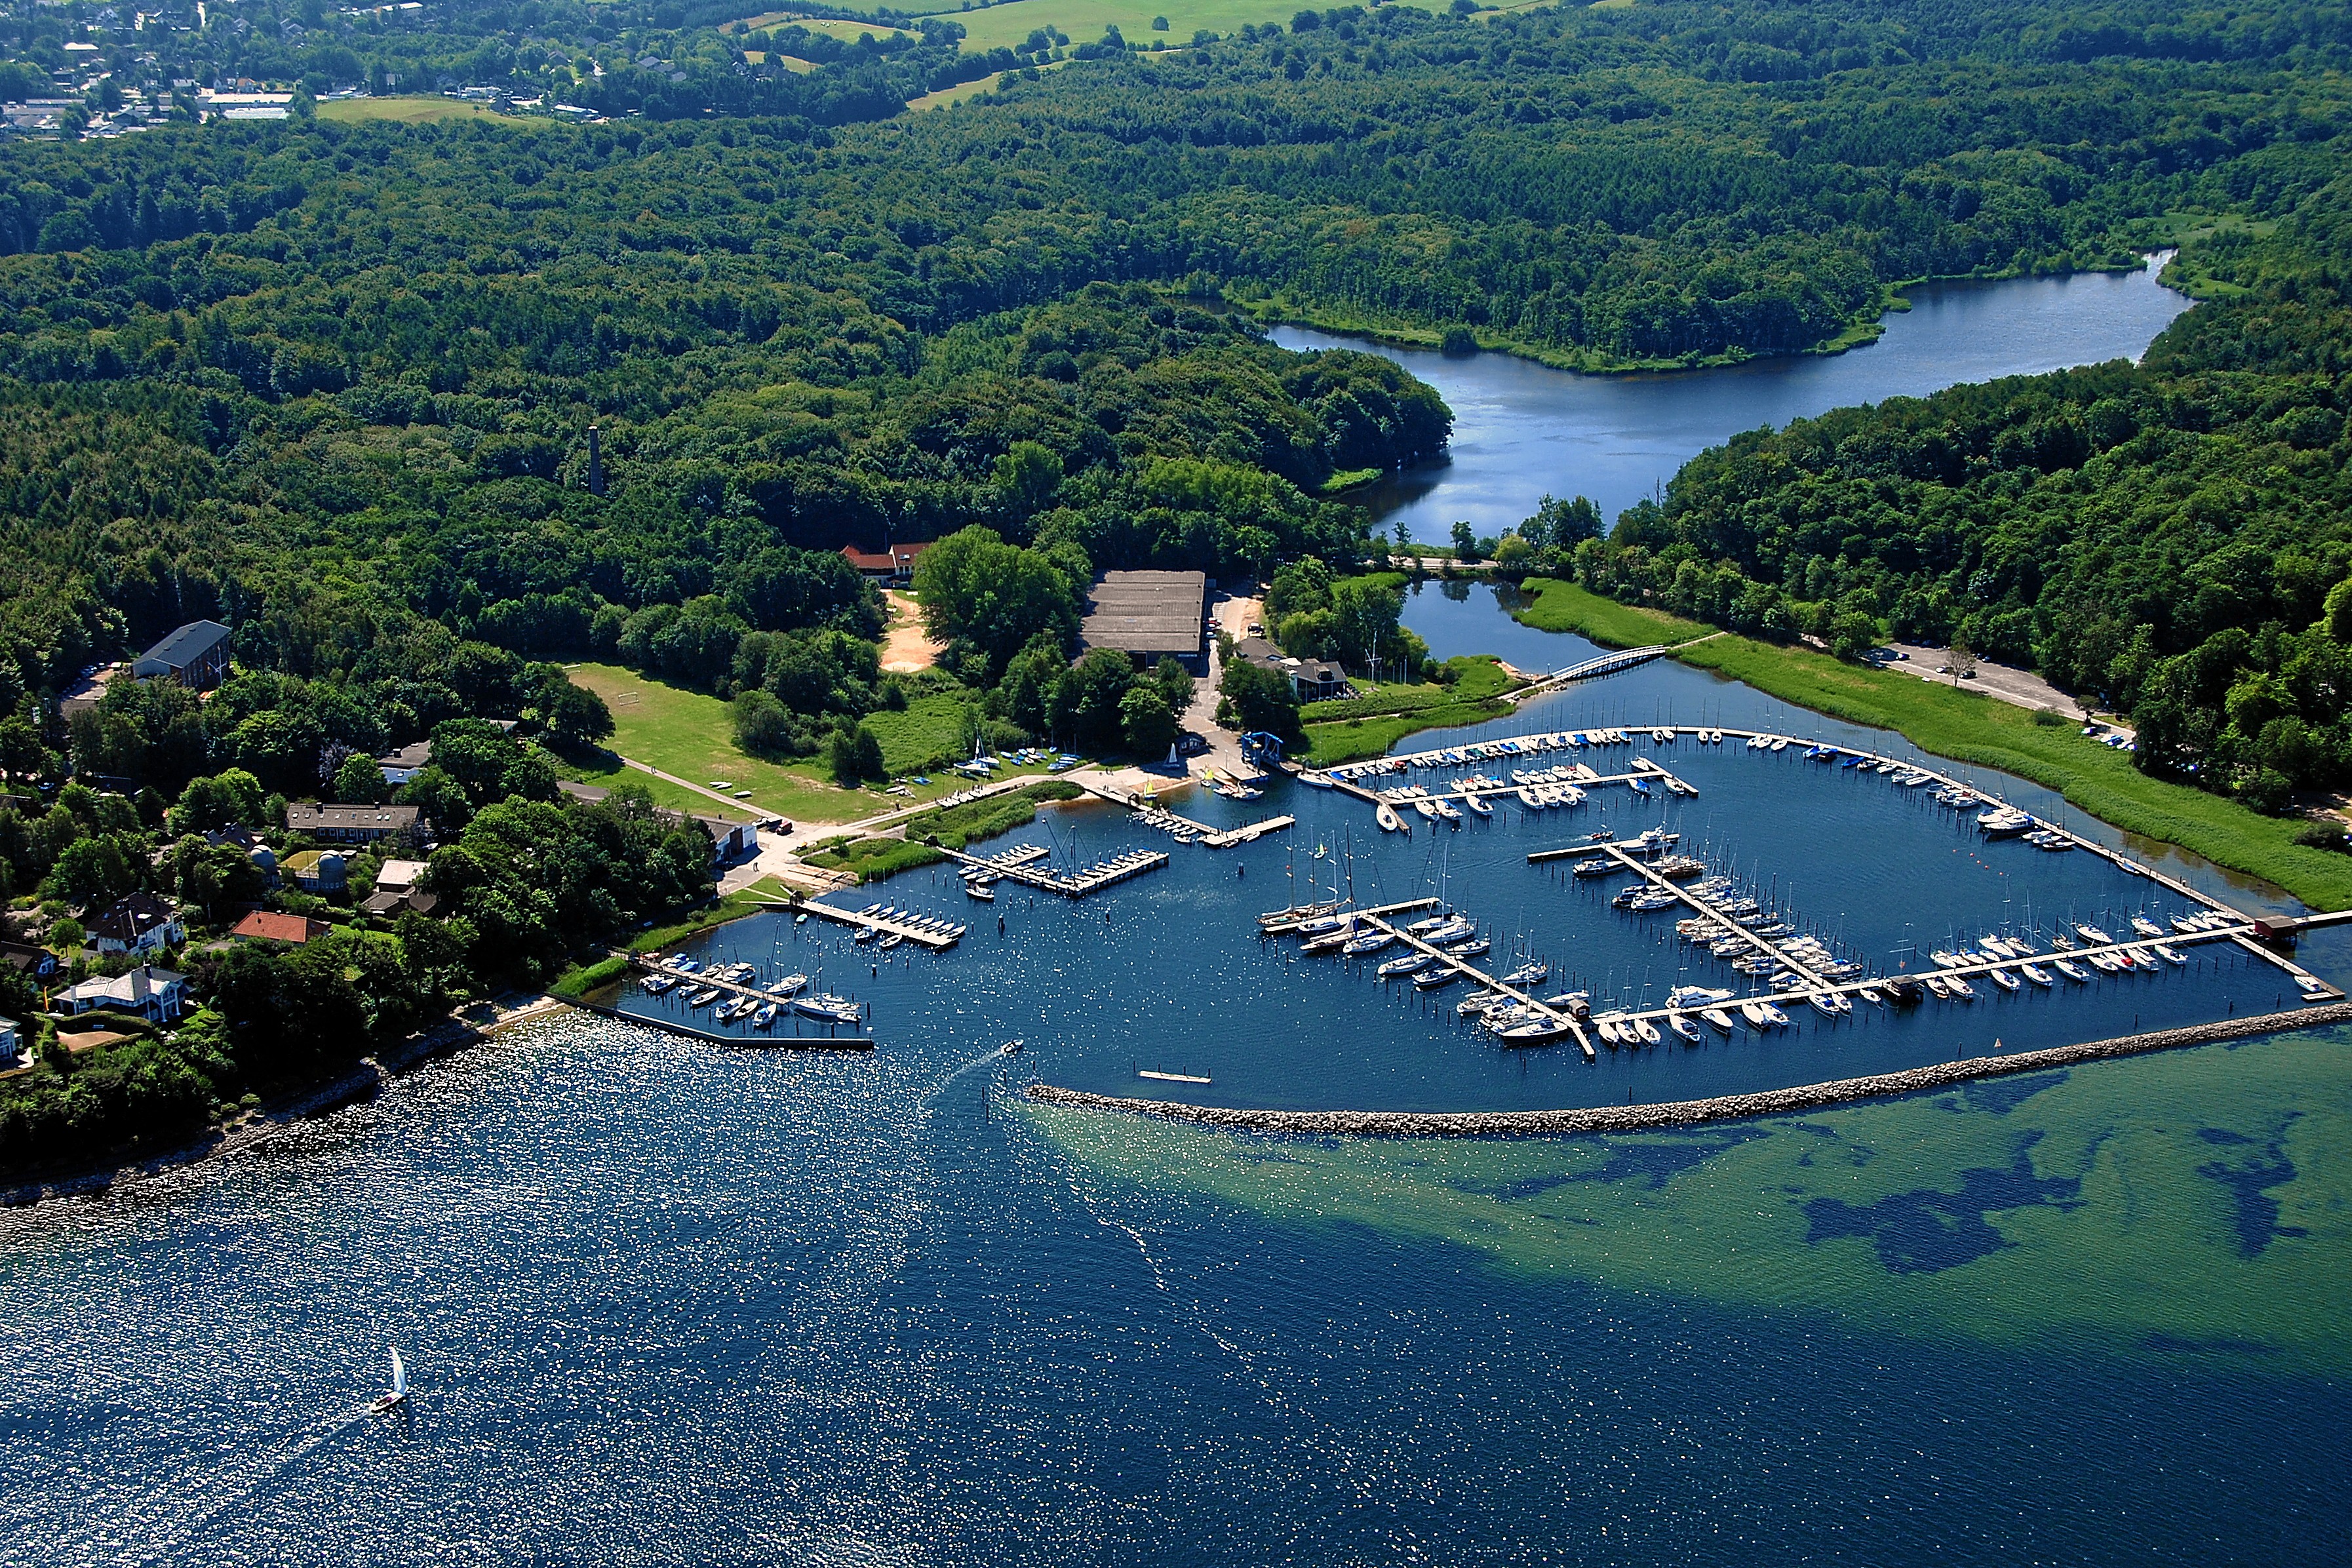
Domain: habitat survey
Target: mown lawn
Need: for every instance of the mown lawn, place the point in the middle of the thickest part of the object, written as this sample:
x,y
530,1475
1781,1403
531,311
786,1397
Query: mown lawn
x,y
1971,728
1367,726
692,735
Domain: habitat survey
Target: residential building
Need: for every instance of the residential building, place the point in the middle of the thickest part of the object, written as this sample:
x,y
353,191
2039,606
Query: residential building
x,y
1151,615
268,925
352,824
406,763
893,565
140,923
399,875
12,1042
1311,680
154,994
390,902
196,656
24,958
316,870
729,841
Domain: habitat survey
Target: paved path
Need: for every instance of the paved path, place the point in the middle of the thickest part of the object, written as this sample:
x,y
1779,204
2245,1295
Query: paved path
x,y
2003,682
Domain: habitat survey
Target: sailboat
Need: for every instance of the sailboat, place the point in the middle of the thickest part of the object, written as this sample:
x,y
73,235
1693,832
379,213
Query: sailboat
x,y
398,1393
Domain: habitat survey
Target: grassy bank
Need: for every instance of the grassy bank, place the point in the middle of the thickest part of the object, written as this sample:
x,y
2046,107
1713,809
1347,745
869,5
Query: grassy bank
x,y
1368,725
1969,728
871,859
732,906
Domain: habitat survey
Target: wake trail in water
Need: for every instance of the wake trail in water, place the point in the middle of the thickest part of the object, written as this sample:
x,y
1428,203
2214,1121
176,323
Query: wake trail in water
x,y
148,1521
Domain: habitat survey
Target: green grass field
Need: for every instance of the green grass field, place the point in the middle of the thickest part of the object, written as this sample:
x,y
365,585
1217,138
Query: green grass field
x,y
691,735
1969,728
407,110
1367,726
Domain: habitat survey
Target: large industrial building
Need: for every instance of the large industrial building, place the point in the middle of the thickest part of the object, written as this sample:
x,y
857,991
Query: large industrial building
x,y
1151,615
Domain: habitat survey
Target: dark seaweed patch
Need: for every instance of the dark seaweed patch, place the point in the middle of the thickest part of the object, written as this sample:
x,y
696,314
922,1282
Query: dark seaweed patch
x,y
1656,1162
1926,1230
2249,1182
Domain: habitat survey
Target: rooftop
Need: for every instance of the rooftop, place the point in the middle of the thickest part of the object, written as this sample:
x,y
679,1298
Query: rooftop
x,y
1148,612
187,644
309,816
268,925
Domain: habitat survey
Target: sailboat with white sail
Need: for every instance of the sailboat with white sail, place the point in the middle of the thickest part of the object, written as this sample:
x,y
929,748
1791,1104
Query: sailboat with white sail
x,y
398,1393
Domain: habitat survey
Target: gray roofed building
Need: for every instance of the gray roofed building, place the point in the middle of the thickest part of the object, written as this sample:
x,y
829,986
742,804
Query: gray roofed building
x,y
352,824
1150,615
196,656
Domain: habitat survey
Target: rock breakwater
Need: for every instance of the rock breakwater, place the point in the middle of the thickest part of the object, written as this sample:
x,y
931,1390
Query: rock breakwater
x,y
1691,1112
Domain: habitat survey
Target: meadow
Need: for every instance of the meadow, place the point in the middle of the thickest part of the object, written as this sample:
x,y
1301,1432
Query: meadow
x,y
691,735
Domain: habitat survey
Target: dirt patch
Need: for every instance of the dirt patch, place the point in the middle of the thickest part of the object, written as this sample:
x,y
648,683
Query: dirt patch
x,y
906,646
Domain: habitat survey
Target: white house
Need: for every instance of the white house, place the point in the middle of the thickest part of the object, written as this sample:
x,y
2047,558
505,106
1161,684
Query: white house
x,y
151,993
139,923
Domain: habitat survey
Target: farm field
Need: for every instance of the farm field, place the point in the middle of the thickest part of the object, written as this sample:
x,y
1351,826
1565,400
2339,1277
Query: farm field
x,y
416,109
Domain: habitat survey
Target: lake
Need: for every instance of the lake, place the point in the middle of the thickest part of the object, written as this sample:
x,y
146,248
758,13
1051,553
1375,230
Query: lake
x,y
669,1303
1523,430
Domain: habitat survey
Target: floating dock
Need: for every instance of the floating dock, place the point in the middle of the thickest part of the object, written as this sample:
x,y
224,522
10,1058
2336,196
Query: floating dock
x,y
1090,879
1282,922
936,941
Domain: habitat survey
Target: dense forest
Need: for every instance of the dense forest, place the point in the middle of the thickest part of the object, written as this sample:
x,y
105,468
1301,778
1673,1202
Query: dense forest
x,y
2172,540
331,383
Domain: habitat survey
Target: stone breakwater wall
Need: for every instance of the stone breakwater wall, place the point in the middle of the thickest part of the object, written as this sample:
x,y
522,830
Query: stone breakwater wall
x,y
1690,1112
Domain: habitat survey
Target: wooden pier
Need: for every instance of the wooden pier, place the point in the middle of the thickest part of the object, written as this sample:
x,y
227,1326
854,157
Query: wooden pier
x,y
1206,836
640,964
1732,926
1276,926
1374,918
1092,879
938,941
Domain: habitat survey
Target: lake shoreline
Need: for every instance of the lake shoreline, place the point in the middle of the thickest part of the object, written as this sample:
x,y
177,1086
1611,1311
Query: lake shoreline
x,y
361,1080
1674,1115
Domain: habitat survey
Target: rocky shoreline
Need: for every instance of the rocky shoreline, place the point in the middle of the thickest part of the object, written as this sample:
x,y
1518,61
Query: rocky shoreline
x,y
1690,1112
362,1081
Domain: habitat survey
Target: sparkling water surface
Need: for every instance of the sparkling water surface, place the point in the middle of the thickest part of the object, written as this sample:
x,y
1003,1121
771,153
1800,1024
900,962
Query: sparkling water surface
x,y
669,1302
1522,429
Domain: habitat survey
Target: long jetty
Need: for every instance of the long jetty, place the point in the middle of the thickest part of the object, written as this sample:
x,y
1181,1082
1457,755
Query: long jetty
x,y
1689,1112
1468,971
